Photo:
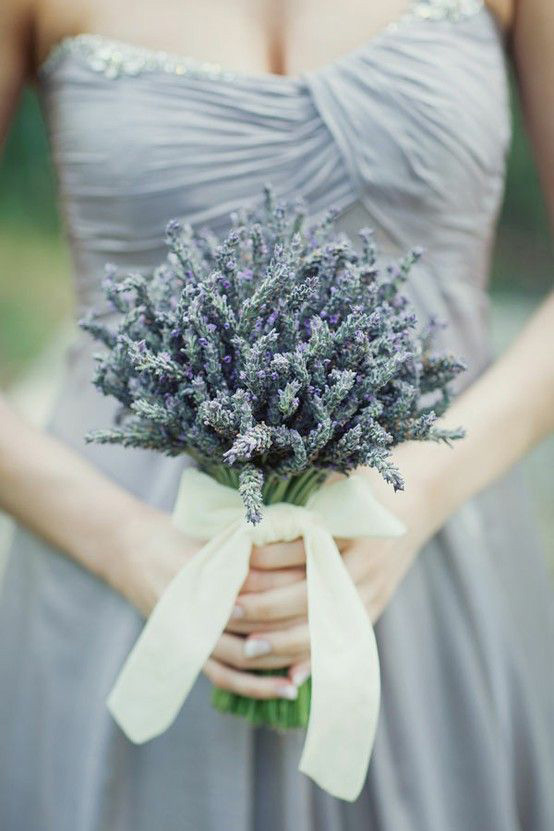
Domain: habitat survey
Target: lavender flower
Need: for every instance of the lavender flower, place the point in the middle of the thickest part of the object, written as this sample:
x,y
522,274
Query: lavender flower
x,y
273,352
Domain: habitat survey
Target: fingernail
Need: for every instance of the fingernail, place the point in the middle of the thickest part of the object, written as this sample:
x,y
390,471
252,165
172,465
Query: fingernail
x,y
238,611
300,676
254,647
288,691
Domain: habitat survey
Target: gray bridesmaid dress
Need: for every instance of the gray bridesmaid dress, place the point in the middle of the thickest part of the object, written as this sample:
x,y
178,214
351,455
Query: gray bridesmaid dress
x,y
409,135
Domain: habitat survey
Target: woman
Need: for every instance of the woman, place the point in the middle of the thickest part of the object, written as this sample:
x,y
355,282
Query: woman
x,y
397,114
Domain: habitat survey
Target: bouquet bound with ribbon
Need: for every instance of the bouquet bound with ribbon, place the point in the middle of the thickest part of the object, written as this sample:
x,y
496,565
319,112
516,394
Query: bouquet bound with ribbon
x,y
272,358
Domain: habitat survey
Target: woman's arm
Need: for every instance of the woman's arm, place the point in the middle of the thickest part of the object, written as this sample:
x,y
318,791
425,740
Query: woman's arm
x,y
511,408
42,484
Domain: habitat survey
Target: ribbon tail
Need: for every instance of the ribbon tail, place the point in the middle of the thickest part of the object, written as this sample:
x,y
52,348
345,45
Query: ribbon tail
x,y
179,636
345,673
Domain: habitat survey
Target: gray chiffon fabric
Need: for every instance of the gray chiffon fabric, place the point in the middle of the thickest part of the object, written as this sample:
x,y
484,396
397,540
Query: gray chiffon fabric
x,y
409,135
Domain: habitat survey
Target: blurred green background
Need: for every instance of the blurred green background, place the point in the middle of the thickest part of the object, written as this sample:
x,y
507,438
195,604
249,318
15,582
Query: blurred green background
x,y
36,295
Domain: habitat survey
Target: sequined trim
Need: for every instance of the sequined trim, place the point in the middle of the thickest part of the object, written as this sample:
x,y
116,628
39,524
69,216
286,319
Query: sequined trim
x,y
114,58
454,10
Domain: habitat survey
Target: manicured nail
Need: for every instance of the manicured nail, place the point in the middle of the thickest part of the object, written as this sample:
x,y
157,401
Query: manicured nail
x,y
300,676
254,647
287,691
238,611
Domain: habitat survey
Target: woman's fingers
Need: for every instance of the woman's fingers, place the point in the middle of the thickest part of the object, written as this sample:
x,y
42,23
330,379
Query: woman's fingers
x,y
278,555
288,644
249,684
274,650
250,627
300,672
260,580
276,604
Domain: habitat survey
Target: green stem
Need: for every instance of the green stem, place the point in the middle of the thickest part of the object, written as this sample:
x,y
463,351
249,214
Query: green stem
x,y
278,713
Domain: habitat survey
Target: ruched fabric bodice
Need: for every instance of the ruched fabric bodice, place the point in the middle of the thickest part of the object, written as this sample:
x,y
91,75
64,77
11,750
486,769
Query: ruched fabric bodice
x,y
413,126
407,134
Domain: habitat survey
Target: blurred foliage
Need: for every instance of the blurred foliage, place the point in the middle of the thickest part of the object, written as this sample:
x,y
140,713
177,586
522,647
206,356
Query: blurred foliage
x,y
27,186
523,255
35,294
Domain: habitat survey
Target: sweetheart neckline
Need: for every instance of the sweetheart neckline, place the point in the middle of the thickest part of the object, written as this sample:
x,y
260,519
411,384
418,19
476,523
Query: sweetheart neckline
x,y
214,71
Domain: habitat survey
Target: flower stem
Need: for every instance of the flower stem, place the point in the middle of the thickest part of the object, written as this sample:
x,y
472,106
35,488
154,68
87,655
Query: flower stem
x,y
278,713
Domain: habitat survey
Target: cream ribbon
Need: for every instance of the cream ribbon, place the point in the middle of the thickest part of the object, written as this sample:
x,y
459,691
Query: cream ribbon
x,y
187,621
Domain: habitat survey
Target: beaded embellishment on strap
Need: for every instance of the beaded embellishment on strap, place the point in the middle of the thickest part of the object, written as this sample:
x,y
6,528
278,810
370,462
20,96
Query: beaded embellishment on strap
x,y
113,58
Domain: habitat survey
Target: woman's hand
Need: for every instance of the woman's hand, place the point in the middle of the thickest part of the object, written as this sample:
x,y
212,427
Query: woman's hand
x,y
151,551
270,629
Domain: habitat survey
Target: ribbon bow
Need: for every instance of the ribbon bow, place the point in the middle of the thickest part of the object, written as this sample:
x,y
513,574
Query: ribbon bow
x,y
191,614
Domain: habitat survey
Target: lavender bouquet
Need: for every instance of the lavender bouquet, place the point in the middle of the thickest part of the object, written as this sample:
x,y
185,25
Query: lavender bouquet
x,y
272,358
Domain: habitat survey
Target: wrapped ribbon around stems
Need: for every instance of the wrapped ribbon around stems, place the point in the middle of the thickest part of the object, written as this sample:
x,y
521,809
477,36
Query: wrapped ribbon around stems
x,y
191,614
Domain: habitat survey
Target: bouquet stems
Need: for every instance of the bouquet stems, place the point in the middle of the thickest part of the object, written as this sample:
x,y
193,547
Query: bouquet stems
x,y
275,712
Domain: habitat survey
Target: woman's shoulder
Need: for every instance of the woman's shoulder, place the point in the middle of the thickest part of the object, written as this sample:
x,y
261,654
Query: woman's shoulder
x,y
53,20
16,27
504,11
16,19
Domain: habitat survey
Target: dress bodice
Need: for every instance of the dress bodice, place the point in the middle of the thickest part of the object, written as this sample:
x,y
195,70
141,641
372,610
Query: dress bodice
x,y
407,133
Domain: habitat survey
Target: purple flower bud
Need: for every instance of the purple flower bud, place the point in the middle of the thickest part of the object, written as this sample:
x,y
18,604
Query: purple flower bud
x,y
227,359
173,227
